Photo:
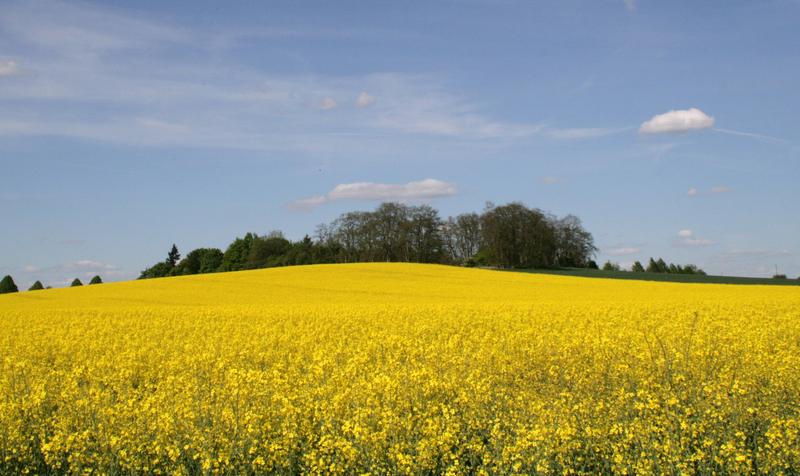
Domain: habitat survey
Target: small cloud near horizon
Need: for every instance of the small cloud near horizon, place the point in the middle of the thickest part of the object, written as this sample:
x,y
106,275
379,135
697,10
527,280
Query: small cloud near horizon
x,y
622,250
688,238
369,191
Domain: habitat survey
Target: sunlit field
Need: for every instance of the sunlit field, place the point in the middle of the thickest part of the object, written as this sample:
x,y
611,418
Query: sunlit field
x,y
400,368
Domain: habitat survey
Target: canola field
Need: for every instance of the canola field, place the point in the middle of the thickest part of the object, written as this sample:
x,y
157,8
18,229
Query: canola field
x,y
400,369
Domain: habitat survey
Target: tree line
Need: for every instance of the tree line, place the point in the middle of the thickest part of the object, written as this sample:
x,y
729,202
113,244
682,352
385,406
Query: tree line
x,y
506,236
7,284
656,266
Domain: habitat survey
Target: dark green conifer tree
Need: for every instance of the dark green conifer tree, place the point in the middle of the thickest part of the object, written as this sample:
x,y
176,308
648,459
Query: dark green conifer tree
x,y
7,285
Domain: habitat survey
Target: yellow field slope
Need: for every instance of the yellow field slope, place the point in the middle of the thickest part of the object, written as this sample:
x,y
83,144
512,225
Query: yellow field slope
x,y
400,368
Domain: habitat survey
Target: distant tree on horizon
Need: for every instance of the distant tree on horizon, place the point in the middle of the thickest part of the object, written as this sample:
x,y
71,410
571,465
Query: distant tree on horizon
x,y
96,280
7,285
609,266
662,266
236,254
201,260
173,256
158,270
36,286
76,282
637,267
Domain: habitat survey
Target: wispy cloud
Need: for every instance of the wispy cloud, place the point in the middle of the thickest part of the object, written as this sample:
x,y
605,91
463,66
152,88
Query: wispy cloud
x,y
720,189
134,79
622,250
580,133
631,5
751,135
677,121
691,192
549,180
369,191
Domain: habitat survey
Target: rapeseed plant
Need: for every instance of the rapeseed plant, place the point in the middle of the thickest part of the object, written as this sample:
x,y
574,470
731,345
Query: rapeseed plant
x,y
400,368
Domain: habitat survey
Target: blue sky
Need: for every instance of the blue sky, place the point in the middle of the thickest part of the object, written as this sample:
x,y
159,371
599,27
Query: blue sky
x,y
668,127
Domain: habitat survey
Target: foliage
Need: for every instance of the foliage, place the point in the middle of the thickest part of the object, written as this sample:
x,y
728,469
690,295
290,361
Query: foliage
x,y
96,280
637,267
199,261
158,270
516,236
7,285
76,282
400,369
173,256
511,235
36,286
609,266
235,257
267,251
660,266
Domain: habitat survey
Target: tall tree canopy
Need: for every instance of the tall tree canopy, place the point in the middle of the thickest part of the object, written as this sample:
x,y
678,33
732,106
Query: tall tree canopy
x,y
511,235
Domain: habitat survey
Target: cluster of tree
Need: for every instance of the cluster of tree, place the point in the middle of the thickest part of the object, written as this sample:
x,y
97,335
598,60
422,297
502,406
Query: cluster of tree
x,y
7,284
508,236
660,266
654,266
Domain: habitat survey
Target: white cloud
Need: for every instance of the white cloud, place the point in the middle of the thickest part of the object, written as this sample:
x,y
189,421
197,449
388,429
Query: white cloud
x,y
364,99
369,191
630,5
328,103
691,192
675,121
720,189
688,238
8,68
549,180
622,251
